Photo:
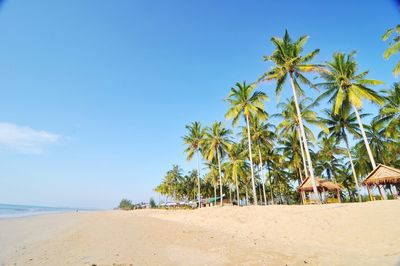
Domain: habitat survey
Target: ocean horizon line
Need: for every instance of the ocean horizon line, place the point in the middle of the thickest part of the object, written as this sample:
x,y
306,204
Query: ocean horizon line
x,y
8,210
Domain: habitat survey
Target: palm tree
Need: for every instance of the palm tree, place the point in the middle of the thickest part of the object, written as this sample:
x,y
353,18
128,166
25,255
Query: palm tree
x,y
389,114
187,186
193,141
170,183
272,164
290,124
243,101
289,63
328,151
378,142
212,176
345,86
263,135
337,125
289,149
394,46
216,143
344,178
236,166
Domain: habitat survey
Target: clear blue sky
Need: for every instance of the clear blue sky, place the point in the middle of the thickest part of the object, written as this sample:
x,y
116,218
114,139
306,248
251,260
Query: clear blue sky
x,y
95,94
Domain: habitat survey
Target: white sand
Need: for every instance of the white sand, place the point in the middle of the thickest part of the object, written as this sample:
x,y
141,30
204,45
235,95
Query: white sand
x,y
340,234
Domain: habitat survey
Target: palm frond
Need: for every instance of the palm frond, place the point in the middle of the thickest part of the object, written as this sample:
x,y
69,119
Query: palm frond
x,y
387,34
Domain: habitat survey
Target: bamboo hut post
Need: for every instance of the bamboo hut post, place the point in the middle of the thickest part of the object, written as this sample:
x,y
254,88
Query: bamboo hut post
x,y
380,191
370,193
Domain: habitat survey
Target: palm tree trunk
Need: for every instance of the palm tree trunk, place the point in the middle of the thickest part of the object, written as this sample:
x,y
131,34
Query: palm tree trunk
x,y
301,178
220,177
302,155
198,180
270,184
215,194
280,194
262,176
247,197
371,158
303,135
352,165
237,191
251,161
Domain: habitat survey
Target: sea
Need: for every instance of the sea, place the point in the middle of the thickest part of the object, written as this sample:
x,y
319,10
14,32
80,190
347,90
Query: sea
x,y
13,211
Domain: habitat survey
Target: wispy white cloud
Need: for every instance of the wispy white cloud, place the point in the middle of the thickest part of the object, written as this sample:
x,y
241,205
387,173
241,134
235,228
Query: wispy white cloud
x,y
25,139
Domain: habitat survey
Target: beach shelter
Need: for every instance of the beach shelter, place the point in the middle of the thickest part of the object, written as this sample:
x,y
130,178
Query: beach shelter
x,y
383,175
323,186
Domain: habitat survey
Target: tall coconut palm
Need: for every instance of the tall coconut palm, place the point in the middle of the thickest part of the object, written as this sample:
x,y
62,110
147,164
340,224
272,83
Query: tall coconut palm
x,y
243,101
338,125
345,86
290,64
290,123
263,135
389,114
394,46
193,141
216,142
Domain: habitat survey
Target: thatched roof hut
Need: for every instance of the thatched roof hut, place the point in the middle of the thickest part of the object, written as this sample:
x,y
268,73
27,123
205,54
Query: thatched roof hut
x,y
322,185
382,175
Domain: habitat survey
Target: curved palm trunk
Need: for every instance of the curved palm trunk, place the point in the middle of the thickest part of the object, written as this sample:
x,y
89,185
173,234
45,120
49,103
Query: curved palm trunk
x,y
251,161
352,166
302,156
270,184
262,176
220,177
371,158
198,180
303,135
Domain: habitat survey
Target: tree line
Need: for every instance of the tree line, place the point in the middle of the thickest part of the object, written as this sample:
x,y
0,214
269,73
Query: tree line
x,y
264,163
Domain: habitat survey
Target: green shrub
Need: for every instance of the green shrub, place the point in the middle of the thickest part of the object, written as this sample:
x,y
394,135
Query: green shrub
x,y
125,205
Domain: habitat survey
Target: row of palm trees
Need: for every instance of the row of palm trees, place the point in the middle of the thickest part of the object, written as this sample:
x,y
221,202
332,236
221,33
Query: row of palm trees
x,y
289,151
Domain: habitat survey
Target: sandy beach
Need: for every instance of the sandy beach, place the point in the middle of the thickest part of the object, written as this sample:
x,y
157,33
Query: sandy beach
x,y
337,234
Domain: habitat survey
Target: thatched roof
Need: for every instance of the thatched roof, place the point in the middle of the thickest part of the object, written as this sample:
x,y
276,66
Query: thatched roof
x,y
382,174
322,184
